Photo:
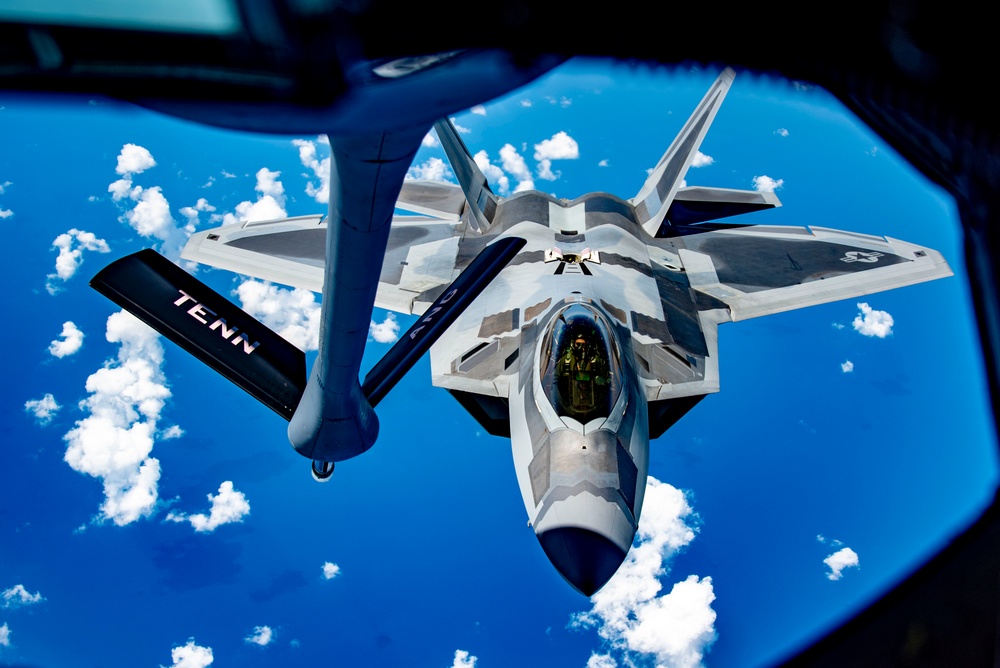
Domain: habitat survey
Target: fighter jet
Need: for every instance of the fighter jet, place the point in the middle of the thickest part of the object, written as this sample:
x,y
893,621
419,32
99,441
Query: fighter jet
x,y
578,329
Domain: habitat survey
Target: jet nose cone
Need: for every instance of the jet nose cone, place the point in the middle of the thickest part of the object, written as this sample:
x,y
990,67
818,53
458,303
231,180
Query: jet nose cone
x,y
586,559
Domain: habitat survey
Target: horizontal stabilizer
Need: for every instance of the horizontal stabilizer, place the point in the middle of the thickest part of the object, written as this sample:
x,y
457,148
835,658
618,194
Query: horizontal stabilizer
x,y
432,198
207,325
436,319
668,176
693,206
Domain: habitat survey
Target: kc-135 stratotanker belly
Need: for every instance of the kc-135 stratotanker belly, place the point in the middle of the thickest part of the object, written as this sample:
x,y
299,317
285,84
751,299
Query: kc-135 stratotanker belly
x,y
579,329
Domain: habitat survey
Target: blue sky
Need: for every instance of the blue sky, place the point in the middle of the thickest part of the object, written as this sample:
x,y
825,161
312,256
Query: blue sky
x,y
222,548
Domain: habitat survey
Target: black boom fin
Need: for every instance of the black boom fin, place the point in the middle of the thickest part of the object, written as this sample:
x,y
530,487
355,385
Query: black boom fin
x,y
207,325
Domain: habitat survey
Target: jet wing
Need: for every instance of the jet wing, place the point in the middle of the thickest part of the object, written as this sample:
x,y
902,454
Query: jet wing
x,y
759,270
420,258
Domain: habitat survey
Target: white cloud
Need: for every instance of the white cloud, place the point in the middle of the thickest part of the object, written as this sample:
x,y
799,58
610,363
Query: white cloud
x,y
171,432
17,596
479,110
191,212
228,175
71,245
514,164
872,323
463,660
6,213
603,163
601,661
71,341
292,313
134,159
493,173
320,168
526,103
228,506
701,160
545,171
781,132
261,635
150,214
3,186
766,184
432,169
559,147
430,140
847,367
458,128
115,440
837,325
191,656
4,635
839,560
629,612
386,331
330,570
43,409
269,205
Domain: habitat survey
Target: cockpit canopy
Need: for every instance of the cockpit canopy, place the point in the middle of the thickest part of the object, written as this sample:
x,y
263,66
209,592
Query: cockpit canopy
x,y
580,366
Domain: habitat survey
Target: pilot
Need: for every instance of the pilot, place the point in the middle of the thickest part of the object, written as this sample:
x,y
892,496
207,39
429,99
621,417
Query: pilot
x,y
584,370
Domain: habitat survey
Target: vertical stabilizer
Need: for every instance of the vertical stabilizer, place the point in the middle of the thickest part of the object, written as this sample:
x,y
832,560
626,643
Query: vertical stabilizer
x,y
654,199
482,201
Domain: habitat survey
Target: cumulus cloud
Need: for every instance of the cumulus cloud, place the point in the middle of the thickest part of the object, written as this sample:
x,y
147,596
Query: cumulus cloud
x,y
479,110
147,210
115,441
71,246
386,331
320,168
330,570
847,367
493,174
603,163
463,660
269,205
559,147
839,560
5,213
781,132
43,409
629,612
292,313
432,169
513,163
261,635
4,635
601,661
766,184
228,506
71,341
430,140
837,325
17,597
871,322
458,128
192,212
191,656
701,160
134,159
526,103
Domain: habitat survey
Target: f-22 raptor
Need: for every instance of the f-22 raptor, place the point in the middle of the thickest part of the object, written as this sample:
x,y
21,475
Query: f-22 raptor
x,y
579,329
